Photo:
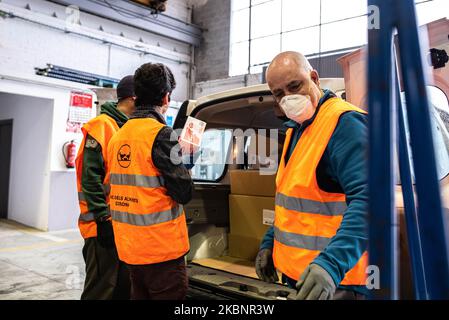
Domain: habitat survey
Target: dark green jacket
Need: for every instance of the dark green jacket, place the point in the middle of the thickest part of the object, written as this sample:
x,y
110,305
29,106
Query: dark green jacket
x,y
93,171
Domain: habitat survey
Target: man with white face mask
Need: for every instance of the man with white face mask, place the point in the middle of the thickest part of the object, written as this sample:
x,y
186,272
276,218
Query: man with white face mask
x,y
319,236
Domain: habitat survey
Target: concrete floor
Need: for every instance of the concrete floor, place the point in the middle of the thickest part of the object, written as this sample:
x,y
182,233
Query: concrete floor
x,y
40,265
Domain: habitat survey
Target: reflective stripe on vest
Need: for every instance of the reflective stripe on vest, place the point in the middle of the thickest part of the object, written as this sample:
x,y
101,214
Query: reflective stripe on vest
x,y
307,218
147,219
101,128
136,180
81,196
87,217
301,241
311,206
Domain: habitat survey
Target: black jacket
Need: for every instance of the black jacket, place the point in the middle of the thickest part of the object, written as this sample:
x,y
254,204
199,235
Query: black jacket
x,y
177,178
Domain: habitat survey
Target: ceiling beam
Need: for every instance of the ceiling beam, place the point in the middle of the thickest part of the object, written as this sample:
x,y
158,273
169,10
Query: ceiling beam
x,y
139,16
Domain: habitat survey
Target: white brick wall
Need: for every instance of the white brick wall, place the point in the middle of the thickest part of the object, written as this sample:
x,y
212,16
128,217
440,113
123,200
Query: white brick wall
x,y
25,45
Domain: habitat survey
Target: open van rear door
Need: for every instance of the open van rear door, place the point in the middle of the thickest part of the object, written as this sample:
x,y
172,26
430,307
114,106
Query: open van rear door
x,y
213,274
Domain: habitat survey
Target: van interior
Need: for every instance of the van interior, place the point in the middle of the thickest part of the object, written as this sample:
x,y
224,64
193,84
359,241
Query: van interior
x,y
225,216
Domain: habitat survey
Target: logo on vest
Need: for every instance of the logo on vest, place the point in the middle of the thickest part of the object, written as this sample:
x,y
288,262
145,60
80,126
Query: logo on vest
x,y
124,156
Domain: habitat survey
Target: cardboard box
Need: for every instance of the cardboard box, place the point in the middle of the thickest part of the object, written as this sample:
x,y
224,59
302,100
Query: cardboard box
x,y
246,215
243,247
247,228
230,264
252,183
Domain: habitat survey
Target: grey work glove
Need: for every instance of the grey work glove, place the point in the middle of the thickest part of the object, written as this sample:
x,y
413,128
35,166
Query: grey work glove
x,y
315,284
265,266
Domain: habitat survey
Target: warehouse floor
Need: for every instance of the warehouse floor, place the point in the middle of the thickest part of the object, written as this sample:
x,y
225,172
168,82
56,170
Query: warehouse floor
x,y
40,265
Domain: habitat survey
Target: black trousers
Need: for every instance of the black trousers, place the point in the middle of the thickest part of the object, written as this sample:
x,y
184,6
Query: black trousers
x,y
160,281
107,278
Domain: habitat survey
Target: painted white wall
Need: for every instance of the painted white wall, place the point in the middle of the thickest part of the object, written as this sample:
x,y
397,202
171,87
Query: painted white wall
x,y
61,208
30,157
59,92
25,45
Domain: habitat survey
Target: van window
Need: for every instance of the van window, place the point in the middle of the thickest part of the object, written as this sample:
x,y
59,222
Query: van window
x,y
211,163
440,121
439,116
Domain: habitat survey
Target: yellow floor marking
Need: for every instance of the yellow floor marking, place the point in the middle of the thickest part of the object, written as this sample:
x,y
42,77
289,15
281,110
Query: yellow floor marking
x,y
40,245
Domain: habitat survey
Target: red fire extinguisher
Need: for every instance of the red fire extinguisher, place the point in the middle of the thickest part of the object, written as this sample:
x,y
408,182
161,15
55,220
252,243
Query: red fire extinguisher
x,y
69,153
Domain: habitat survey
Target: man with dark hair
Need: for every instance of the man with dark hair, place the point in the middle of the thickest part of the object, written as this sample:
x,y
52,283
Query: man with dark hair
x,y
149,185
106,277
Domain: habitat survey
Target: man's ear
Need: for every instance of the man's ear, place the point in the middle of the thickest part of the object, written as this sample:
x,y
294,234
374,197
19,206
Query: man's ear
x,y
315,77
165,99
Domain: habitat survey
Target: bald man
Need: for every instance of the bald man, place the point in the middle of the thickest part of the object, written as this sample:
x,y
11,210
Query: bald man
x,y
319,236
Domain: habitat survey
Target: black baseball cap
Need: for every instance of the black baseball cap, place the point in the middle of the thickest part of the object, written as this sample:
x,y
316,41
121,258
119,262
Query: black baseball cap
x,y
125,88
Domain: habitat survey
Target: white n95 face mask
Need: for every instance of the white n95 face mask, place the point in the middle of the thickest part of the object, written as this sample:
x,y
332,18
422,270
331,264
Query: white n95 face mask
x,y
297,107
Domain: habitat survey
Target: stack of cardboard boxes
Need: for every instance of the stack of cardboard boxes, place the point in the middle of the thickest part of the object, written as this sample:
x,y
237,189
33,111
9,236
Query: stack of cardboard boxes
x,y
251,206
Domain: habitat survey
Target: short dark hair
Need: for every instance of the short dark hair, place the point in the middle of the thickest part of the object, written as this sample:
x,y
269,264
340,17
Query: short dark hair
x,y
152,81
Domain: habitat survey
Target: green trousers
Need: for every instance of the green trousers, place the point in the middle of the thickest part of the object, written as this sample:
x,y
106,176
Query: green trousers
x,y
107,278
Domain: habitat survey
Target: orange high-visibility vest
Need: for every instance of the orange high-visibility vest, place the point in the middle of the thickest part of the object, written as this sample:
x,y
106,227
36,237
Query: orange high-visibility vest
x,y
149,226
101,128
306,217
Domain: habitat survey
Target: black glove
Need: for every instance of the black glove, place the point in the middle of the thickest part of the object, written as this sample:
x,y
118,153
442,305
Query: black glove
x,y
105,234
315,284
265,267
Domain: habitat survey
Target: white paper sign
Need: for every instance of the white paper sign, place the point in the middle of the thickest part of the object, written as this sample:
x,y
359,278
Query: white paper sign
x,y
192,133
268,217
